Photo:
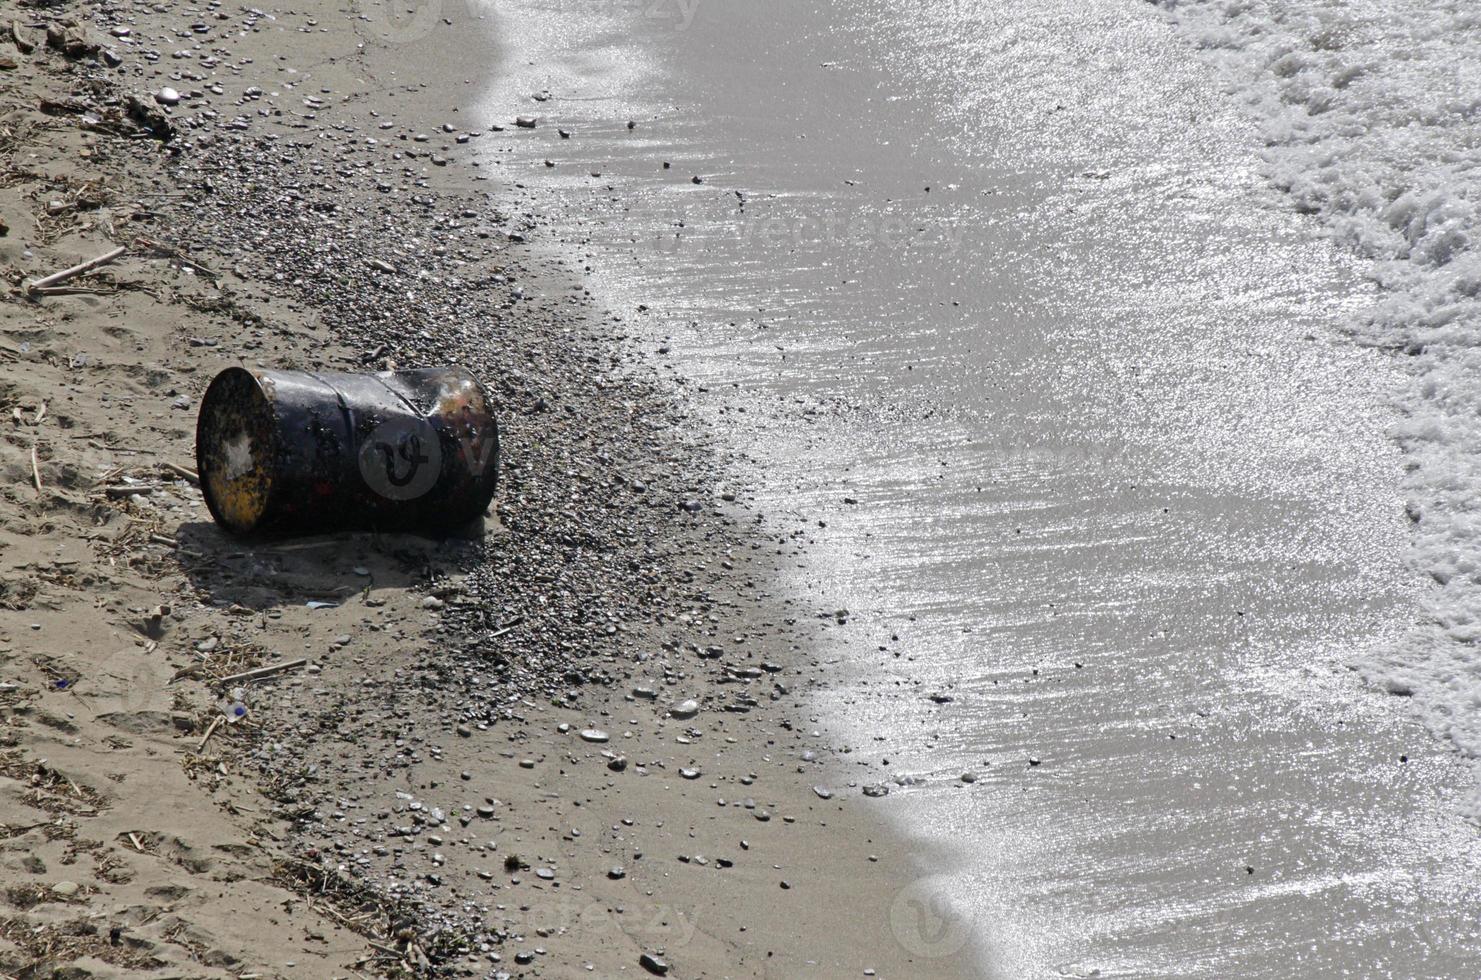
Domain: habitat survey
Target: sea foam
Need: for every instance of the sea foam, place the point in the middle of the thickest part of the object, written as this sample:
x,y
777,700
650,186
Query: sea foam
x,y
1371,112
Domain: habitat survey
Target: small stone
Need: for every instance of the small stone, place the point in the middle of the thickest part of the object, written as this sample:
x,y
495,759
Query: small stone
x,y
545,874
688,773
685,709
969,777
66,889
877,790
617,763
653,964
525,122
616,873
594,735
824,793
167,96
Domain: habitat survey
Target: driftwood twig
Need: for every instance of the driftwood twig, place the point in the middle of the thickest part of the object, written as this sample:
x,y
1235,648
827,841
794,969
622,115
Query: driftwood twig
x,y
215,724
177,255
57,278
259,672
179,470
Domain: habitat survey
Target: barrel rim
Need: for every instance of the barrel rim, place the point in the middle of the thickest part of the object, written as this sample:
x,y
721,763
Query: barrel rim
x,y
224,377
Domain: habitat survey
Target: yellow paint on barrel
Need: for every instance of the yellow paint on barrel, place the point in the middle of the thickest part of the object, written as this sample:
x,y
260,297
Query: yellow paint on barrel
x,y
240,488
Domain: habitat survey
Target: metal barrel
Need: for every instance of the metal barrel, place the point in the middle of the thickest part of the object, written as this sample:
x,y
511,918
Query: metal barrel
x,y
298,452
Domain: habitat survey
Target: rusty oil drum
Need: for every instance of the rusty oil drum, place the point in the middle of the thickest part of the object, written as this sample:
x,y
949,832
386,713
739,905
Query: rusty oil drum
x,y
293,452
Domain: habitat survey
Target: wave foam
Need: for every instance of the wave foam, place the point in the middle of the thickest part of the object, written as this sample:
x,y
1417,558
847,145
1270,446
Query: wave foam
x,y
1372,116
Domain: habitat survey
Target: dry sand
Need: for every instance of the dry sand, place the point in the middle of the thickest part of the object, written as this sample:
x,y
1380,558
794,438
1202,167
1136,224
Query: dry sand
x,y
416,798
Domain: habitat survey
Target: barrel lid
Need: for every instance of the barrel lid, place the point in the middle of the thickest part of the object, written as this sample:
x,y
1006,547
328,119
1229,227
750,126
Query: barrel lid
x,y
235,442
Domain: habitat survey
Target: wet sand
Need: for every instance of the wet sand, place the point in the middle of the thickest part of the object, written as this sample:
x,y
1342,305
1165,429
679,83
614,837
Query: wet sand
x,y
1002,300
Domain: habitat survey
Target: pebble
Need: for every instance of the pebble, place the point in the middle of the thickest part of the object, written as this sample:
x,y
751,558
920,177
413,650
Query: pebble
x,y
653,964
685,709
167,96
594,735
688,773
66,889
824,793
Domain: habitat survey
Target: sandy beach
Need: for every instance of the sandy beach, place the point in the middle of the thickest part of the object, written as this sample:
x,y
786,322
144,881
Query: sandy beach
x,y
416,797
944,528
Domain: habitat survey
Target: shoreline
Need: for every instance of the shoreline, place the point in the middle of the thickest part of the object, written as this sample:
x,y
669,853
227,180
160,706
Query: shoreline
x,y
593,600
1096,465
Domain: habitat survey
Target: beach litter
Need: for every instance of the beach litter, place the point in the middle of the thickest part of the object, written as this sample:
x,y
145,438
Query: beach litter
x,y
285,452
